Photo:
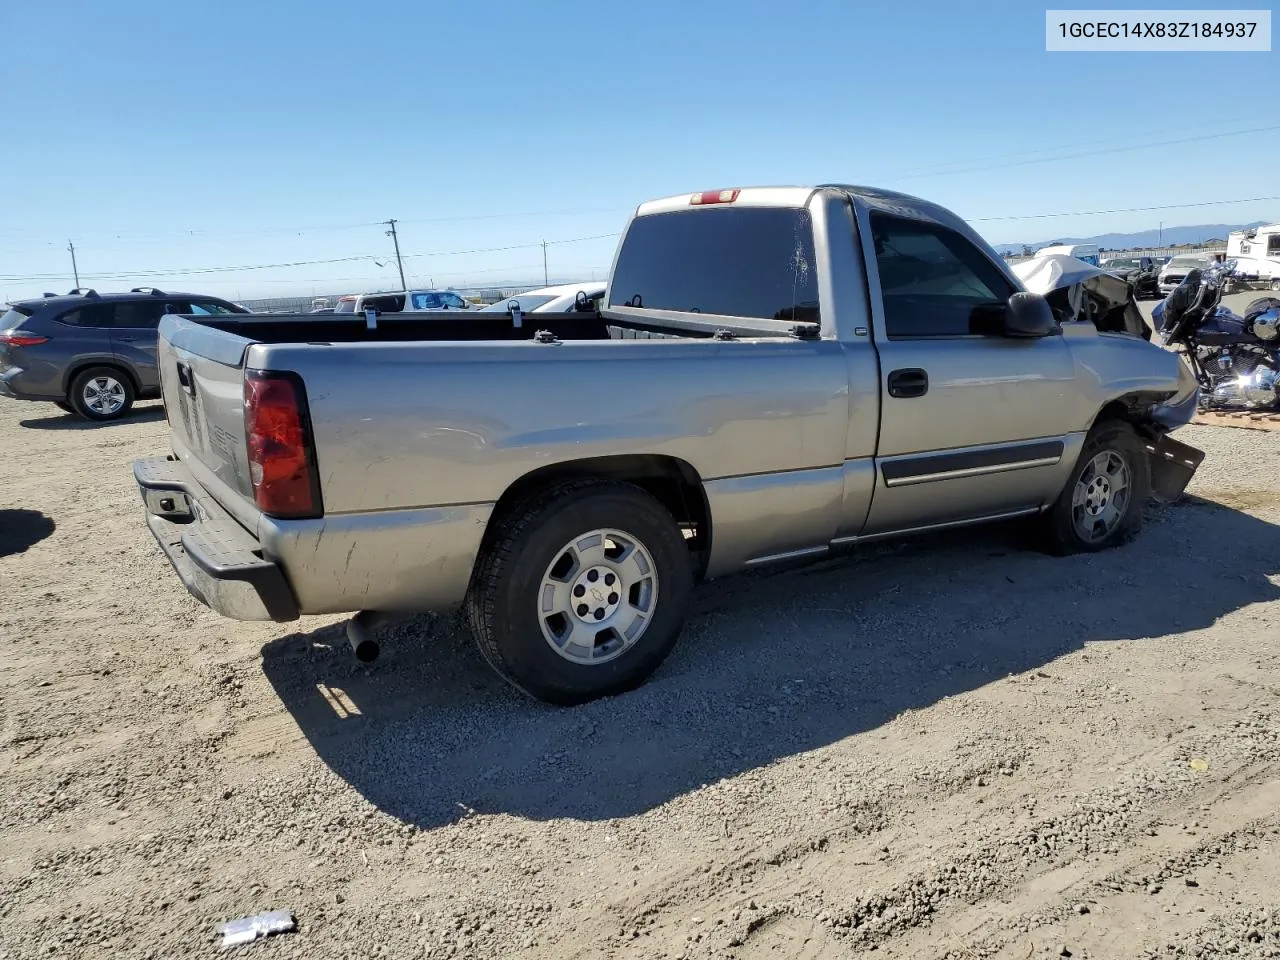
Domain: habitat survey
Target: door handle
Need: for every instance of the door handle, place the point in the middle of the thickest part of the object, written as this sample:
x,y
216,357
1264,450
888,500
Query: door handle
x,y
185,379
909,382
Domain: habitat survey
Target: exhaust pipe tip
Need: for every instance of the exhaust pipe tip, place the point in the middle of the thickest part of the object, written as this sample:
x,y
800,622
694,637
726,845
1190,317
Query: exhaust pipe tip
x,y
367,651
362,643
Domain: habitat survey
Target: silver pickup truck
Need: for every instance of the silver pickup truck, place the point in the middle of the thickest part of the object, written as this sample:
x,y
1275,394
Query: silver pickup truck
x,y
775,372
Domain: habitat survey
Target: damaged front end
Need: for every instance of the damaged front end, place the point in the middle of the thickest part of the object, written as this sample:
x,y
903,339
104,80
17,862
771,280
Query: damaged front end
x,y
1080,292
1173,463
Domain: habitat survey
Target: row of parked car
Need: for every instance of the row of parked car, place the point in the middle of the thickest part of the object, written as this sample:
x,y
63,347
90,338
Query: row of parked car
x,y
1154,276
558,299
1150,277
94,354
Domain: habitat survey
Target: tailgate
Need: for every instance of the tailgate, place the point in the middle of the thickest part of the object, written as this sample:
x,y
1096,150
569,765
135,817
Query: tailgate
x,y
202,377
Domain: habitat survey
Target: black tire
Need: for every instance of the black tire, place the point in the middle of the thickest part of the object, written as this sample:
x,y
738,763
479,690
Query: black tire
x,y
113,377
1060,533
508,579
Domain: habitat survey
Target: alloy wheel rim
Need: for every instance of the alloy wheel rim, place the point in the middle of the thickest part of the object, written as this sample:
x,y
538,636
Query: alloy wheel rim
x,y
103,395
1101,496
597,596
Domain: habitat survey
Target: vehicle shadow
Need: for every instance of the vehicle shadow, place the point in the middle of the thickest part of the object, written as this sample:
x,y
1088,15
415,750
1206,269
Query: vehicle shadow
x,y
71,421
768,666
20,529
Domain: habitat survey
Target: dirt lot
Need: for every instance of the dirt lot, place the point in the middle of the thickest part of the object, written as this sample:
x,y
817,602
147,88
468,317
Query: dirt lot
x,y
942,748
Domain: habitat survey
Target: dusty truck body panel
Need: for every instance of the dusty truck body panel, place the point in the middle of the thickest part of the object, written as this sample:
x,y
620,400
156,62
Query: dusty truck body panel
x,y
862,394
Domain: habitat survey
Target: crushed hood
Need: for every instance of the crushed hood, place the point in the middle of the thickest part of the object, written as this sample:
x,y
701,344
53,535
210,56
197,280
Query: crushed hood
x,y
1080,291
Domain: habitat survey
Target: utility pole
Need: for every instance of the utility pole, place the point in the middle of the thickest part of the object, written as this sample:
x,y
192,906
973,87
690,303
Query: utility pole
x,y
1161,234
396,240
74,269
545,281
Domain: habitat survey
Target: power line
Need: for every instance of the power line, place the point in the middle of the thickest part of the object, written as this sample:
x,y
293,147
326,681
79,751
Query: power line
x,y
1075,144
324,228
207,271
1077,156
203,271
1094,213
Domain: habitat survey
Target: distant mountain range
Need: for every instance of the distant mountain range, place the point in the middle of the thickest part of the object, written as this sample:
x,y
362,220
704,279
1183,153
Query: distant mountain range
x,y
1168,237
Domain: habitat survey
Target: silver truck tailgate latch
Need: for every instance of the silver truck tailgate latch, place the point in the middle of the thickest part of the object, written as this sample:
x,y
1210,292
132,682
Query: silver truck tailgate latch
x,y
515,315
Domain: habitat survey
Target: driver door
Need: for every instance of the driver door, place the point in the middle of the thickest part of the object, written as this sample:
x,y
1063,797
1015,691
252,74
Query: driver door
x,y
973,424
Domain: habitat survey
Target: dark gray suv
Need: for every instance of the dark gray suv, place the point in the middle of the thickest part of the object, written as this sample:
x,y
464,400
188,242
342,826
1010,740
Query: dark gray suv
x,y
91,353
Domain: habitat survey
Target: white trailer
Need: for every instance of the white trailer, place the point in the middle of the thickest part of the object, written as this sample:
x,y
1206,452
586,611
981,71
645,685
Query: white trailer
x,y
1257,252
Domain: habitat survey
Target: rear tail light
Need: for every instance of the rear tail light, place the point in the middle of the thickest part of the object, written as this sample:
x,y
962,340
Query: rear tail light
x,y
20,338
282,465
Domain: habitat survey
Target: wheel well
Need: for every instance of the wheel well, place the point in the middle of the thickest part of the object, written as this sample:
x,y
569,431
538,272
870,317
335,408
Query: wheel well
x,y
84,365
671,481
1134,409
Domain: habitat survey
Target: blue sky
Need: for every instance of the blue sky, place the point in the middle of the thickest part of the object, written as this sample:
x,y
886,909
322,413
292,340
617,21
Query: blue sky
x,y
169,136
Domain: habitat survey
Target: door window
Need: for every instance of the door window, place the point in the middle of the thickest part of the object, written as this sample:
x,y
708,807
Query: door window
x,y
934,282
142,315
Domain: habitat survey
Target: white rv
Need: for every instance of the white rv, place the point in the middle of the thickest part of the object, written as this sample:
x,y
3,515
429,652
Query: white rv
x,y
1257,252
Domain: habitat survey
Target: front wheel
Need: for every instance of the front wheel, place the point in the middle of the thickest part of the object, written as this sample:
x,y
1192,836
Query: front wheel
x,y
101,393
582,592
1101,505
1275,284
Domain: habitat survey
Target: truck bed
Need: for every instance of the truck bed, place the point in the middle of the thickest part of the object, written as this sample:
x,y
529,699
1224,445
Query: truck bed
x,y
421,422
465,325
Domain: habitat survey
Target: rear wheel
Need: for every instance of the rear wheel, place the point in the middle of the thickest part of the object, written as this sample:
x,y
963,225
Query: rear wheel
x,y
1101,505
582,593
101,393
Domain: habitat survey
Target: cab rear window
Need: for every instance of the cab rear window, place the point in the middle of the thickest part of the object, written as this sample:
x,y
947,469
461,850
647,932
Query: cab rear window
x,y
754,262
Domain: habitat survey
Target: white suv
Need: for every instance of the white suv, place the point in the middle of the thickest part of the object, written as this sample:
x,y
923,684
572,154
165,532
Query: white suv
x,y
411,301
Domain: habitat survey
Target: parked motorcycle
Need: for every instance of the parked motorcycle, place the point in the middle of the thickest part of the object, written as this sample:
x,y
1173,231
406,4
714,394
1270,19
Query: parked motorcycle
x,y
1235,359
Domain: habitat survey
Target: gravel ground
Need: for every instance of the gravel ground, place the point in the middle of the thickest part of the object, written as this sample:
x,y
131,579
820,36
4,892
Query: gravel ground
x,y
941,748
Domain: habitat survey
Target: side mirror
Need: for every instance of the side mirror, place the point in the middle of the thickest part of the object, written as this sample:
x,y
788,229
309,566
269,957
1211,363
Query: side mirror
x,y
1029,316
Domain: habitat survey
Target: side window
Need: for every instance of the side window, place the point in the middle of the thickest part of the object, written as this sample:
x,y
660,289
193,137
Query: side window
x,y
934,282
90,315
136,316
754,262
453,301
